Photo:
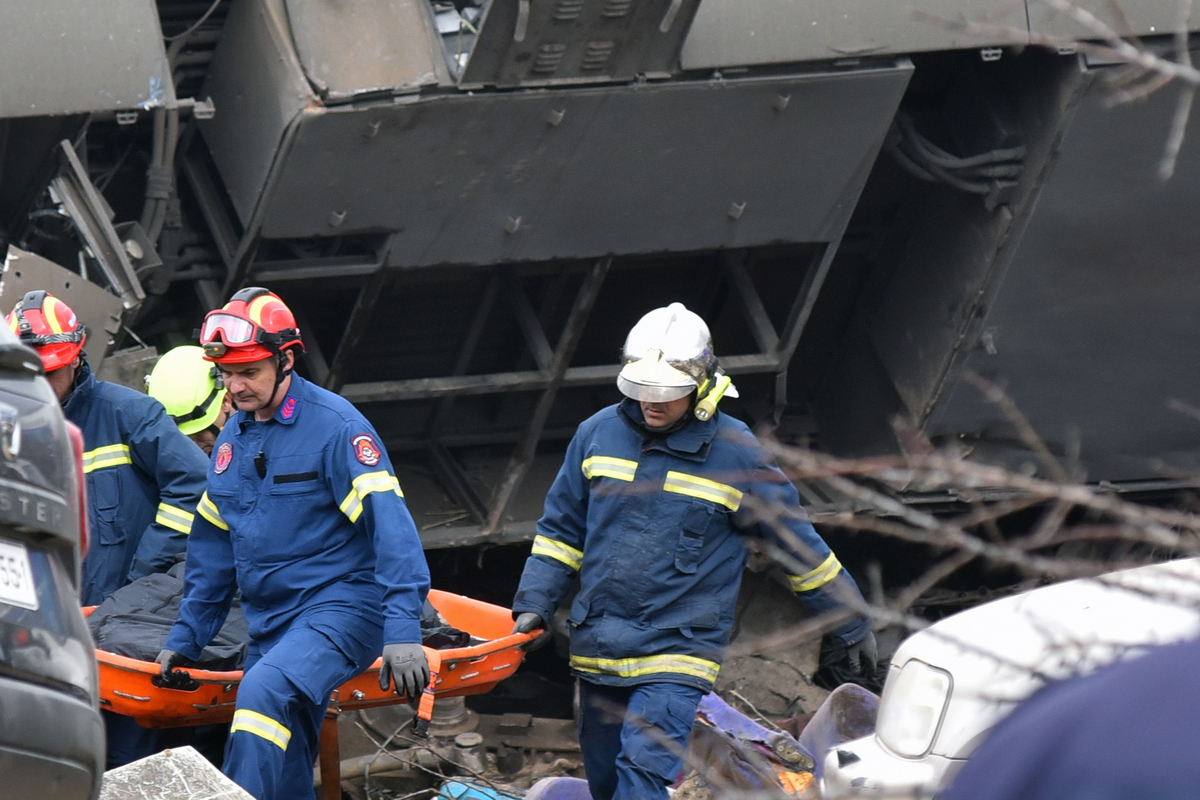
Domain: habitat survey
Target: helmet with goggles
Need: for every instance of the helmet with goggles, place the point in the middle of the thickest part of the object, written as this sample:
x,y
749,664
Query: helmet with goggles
x,y
189,387
50,327
254,324
667,356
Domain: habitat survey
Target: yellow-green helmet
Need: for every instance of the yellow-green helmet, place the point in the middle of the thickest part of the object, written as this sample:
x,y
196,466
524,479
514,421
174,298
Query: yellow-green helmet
x,y
190,388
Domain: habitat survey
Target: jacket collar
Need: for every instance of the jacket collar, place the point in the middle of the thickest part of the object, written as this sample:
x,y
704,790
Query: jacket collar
x,y
691,440
81,390
289,410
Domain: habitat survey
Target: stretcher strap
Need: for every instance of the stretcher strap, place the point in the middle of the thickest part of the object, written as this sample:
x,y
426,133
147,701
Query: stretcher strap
x,y
425,707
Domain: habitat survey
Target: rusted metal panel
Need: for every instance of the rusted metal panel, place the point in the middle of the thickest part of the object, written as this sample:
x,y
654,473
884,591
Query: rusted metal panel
x,y
63,56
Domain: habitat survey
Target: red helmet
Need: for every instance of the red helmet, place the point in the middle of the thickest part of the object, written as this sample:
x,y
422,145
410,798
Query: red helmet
x,y
50,327
254,324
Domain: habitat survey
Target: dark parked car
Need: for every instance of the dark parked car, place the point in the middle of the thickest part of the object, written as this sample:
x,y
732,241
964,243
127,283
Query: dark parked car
x,y
51,734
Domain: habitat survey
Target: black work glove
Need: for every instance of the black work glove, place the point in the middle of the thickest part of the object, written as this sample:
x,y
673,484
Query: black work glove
x,y
528,621
168,660
863,655
408,665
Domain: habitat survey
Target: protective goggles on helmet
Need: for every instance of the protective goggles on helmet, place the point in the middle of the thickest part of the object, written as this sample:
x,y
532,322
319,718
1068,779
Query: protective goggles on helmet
x,y
222,330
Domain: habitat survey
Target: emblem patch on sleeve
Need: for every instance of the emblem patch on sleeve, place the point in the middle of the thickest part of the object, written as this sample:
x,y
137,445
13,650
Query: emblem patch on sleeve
x,y
224,456
365,449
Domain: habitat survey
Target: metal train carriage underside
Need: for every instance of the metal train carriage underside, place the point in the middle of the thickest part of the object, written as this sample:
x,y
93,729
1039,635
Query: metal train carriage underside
x,y
468,205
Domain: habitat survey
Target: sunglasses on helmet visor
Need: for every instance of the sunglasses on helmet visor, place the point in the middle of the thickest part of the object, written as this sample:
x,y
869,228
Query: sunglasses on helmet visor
x,y
233,330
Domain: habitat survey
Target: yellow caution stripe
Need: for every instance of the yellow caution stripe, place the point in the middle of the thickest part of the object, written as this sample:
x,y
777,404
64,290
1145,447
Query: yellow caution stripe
x,y
260,725
365,484
114,455
648,665
817,578
607,467
174,518
545,546
208,509
703,488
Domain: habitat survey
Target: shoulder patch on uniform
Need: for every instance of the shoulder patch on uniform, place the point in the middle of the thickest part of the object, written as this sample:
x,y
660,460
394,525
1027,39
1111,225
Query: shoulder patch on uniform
x,y
224,456
365,449
289,408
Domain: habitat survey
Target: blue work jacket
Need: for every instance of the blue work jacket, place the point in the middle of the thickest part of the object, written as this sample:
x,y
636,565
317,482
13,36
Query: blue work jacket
x,y
302,513
652,526
144,479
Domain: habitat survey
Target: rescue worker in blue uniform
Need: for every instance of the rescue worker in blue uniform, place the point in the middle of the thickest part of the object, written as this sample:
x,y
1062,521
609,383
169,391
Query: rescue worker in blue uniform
x,y
144,478
304,514
646,512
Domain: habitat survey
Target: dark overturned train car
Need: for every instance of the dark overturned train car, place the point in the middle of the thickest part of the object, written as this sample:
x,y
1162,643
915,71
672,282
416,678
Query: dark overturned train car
x,y
469,203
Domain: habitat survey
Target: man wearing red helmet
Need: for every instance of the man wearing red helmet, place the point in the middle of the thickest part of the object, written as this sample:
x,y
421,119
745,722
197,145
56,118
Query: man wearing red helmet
x,y
303,514
144,478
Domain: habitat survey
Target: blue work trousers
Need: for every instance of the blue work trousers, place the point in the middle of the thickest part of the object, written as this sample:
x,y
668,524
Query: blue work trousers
x,y
633,737
282,699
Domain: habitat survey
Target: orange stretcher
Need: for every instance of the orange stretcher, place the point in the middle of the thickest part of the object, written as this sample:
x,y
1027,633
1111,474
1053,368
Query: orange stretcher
x,y
136,689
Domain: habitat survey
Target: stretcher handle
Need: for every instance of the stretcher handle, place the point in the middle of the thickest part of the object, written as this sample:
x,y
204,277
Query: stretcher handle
x,y
425,706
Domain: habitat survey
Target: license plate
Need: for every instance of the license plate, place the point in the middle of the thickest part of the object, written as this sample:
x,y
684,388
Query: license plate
x,y
16,576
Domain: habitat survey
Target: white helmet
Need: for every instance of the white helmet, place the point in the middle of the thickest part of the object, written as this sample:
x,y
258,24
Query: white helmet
x,y
668,355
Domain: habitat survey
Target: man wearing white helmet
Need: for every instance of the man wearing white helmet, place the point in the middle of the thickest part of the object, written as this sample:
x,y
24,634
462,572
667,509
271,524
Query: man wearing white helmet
x,y
648,510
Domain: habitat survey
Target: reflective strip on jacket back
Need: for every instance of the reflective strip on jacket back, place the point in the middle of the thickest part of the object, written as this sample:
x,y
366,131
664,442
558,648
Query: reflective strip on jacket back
x,y
114,455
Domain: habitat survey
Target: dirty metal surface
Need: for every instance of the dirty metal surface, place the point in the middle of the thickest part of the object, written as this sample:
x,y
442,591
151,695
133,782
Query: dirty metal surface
x,y
727,33
523,43
64,56
180,774
1093,327
556,174
366,47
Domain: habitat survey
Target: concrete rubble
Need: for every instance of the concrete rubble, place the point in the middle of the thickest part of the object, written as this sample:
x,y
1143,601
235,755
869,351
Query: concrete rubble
x,y
179,774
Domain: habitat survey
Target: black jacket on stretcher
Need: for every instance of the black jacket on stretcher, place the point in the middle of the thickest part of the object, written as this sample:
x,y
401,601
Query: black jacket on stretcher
x,y
653,526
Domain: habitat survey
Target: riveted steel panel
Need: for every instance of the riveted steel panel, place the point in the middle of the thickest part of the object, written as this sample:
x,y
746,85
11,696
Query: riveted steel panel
x,y
64,56
365,47
728,33
565,174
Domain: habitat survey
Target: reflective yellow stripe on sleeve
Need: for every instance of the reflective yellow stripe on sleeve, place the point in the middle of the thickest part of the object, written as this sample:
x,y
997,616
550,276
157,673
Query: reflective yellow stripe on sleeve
x,y
112,455
208,509
545,546
648,665
260,725
607,467
365,484
703,488
174,518
820,576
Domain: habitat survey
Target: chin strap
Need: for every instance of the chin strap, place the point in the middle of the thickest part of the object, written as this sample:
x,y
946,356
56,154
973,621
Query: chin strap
x,y
280,373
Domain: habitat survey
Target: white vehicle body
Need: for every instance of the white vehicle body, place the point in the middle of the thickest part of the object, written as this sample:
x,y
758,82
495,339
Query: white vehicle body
x,y
948,685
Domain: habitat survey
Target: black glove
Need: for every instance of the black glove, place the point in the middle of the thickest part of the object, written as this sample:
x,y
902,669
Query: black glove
x,y
863,655
169,660
408,665
528,621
